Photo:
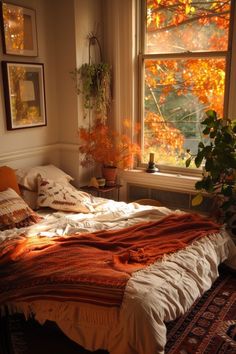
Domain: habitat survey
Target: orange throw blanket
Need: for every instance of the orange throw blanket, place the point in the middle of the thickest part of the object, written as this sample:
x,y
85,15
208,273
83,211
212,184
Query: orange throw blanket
x,y
91,267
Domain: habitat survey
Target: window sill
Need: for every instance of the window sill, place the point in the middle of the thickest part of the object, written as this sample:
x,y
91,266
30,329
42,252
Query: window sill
x,y
160,180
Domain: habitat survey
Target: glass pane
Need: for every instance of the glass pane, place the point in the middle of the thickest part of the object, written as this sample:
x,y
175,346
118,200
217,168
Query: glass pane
x,y
180,26
177,93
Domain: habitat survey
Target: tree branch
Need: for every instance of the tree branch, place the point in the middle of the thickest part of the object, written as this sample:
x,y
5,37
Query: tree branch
x,y
167,28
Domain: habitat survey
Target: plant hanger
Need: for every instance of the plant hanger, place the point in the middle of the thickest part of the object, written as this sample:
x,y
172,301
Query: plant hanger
x,y
93,40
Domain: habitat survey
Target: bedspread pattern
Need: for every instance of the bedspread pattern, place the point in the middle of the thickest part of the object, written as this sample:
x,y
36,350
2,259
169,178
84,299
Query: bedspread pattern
x,y
91,267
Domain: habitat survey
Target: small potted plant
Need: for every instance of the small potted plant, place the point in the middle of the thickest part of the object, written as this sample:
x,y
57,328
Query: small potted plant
x,y
218,158
112,150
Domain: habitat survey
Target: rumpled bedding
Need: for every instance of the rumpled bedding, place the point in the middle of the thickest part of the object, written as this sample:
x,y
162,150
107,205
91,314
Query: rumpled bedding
x,y
154,295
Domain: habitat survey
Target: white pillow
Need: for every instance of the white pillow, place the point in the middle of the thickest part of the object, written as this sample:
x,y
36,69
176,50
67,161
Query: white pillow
x,y
62,197
28,177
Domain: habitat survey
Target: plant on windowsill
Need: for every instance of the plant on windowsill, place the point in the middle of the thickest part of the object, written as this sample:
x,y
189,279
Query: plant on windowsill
x,y
100,144
219,159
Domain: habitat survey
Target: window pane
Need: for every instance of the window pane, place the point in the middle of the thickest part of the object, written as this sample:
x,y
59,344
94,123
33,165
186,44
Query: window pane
x,y
177,93
180,26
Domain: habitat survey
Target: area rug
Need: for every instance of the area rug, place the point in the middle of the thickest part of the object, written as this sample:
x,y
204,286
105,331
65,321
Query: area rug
x,y
209,327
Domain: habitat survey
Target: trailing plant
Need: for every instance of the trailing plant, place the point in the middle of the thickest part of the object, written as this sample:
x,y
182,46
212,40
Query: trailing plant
x,y
218,156
93,83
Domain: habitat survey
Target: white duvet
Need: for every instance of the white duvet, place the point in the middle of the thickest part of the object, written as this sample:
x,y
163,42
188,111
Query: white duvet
x,y
155,295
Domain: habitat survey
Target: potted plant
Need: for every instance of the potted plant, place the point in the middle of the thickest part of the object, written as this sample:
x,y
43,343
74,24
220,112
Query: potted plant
x,y
112,150
218,156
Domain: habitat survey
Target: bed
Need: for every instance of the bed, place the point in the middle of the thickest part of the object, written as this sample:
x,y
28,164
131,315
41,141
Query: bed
x,y
122,312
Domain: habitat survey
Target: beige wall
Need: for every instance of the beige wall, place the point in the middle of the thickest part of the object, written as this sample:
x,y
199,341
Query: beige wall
x,y
88,19
16,140
62,27
120,51
26,147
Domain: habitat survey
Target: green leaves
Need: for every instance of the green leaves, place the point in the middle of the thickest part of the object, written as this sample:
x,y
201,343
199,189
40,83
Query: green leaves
x,y
93,82
200,146
198,159
227,190
219,158
234,126
211,115
206,131
188,162
199,185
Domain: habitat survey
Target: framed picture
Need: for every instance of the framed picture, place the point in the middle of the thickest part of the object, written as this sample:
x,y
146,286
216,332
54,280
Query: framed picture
x,y
24,94
19,30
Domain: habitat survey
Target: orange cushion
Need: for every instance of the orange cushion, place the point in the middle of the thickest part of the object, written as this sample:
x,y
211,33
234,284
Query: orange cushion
x,y
8,179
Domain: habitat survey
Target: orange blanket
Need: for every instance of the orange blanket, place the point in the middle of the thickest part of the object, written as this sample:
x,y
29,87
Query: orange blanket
x,y
91,267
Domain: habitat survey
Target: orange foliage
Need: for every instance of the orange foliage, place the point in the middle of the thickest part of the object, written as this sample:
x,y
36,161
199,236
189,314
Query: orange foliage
x,y
183,9
163,134
176,21
203,78
100,144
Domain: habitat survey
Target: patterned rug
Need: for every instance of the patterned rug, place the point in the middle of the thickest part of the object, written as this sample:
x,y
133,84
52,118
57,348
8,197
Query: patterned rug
x,y
209,327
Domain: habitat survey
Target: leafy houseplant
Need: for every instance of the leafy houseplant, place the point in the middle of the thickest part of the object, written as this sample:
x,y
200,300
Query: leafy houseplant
x,y
93,82
102,145
219,158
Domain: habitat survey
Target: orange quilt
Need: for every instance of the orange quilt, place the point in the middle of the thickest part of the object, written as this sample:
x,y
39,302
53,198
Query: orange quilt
x,y
91,267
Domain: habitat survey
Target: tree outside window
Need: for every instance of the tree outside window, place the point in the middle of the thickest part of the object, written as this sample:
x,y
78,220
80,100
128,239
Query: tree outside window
x,y
186,58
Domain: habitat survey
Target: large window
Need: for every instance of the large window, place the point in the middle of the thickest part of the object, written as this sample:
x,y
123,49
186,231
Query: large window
x,y
185,60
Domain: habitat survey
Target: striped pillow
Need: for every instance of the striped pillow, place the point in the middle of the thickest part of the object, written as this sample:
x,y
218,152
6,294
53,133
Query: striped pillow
x,y
14,212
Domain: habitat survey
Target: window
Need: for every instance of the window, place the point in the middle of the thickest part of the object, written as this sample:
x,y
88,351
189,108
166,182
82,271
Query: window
x,y
185,58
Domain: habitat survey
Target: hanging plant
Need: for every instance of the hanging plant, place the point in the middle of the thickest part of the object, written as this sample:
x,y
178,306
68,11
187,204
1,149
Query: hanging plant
x,y
93,83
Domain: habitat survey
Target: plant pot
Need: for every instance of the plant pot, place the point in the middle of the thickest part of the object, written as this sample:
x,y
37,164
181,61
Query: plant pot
x,y
110,175
101,181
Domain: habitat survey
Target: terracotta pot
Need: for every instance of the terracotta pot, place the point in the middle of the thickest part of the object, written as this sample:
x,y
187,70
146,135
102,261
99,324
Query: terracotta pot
x,y
110,174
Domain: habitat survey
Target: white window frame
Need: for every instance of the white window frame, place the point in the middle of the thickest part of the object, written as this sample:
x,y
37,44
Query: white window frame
x,y
230,86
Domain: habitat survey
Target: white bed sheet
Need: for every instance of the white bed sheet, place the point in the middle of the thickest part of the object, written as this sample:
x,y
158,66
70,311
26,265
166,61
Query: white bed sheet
x,y
155,295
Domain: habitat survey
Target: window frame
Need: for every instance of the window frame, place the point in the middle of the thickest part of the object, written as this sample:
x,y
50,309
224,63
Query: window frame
x,y
142,56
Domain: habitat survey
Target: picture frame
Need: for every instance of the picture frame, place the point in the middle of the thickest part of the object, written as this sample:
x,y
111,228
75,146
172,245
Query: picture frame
x,y
24,93
19,31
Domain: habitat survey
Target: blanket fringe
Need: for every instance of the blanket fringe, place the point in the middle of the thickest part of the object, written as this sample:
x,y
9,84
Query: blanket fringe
x,y
61,311
212,238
